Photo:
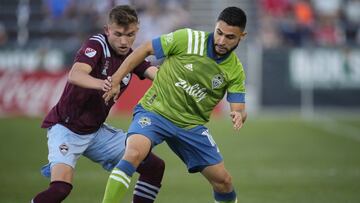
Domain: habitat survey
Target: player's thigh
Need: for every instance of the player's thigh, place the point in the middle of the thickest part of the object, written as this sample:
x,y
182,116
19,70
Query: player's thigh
x,y
146,131
196,148
108,146
65,146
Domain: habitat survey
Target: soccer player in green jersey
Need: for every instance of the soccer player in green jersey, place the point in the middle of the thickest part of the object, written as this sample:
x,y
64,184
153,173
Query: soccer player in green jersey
x,y
198,70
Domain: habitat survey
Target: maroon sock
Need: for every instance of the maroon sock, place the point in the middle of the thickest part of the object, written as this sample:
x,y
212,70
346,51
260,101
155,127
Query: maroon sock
x,y
56,192
149,183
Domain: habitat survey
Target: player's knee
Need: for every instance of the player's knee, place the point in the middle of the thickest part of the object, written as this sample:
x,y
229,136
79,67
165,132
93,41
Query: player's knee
x,y
134,156
226,180
223,183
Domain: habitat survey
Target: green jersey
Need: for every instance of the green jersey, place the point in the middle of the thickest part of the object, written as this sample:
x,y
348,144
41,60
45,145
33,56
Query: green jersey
x,y
192,80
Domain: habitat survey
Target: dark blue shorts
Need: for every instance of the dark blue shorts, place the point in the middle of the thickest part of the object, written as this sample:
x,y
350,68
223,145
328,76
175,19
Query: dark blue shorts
x,y
195,147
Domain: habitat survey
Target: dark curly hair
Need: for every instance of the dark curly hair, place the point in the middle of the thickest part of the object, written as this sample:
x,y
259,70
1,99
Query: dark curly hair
x,y
233,16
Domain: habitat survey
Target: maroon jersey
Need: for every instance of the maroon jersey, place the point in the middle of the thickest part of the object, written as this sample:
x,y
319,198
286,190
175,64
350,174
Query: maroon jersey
x,y
83,110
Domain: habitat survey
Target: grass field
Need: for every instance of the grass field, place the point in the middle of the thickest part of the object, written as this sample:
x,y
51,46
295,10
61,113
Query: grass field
x,y
272,160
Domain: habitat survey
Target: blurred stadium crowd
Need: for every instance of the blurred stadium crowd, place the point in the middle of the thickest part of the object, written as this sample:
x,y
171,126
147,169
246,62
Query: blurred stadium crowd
x,y
64,24
309,22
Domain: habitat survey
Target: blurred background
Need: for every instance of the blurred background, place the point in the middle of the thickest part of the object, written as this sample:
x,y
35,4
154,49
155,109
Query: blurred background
x,y
301,142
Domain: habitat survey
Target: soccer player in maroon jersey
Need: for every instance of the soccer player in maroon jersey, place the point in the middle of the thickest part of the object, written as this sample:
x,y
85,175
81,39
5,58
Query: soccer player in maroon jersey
x,y
75,125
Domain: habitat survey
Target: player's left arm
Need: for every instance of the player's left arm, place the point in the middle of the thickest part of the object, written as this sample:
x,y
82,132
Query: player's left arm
x,y
150,72
236,94
238,114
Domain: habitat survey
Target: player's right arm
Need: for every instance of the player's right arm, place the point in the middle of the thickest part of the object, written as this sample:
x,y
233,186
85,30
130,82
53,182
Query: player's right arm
x,y
91,52
80,75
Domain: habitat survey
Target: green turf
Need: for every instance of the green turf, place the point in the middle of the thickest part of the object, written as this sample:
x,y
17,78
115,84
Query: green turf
x,y
282,160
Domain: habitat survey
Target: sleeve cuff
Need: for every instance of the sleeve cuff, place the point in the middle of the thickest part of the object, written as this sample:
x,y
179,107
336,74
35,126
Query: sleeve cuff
x,y
236,97
159,53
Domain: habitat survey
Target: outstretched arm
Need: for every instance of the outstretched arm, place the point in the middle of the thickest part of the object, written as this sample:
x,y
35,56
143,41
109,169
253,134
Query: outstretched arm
x,y
127,66
80,75
238,114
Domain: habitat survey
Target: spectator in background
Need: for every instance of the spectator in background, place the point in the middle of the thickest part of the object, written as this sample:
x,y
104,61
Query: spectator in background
x,y
305,19
275,8
269,35
3,35
352,22
328,32
56,8
159,17
328,8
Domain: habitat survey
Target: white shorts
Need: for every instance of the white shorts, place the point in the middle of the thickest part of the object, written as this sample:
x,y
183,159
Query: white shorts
x,y
105,146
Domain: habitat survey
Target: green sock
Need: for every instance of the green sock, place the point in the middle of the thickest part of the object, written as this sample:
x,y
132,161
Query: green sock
x,y
116,186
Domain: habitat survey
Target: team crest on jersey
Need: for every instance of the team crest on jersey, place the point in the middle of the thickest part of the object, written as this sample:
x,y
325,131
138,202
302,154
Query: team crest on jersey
x,y
217,81
106,66
126,79
63,149
144,121
89,52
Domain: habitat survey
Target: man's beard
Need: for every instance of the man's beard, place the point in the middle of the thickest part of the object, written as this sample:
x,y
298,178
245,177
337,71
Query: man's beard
x,y
221,55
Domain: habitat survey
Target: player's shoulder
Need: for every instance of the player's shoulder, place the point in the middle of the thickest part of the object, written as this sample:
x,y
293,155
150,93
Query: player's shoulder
x,y
99,43
191,41
235,61
188,34
233,66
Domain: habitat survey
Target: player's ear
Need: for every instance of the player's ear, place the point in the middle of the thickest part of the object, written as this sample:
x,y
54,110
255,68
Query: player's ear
x,y
106,30
243,34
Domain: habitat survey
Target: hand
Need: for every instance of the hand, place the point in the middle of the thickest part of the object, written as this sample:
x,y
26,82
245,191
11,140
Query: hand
x,y
237,119
114,93
106,86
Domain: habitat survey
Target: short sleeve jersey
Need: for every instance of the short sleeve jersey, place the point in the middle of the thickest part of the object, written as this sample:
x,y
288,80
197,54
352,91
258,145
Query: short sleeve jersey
x,y
83,110
192,80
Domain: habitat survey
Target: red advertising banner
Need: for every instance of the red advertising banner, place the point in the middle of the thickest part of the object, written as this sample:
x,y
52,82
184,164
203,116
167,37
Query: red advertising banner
x,y
35,93
29,93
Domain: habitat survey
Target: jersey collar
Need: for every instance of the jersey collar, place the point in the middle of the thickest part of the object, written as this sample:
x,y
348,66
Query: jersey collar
x,y
210,50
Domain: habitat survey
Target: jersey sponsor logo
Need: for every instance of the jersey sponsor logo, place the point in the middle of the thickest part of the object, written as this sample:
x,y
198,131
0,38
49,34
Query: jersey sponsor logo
x,y
217,81
89,52
189,66
63,149
126,79
193,90
144,121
